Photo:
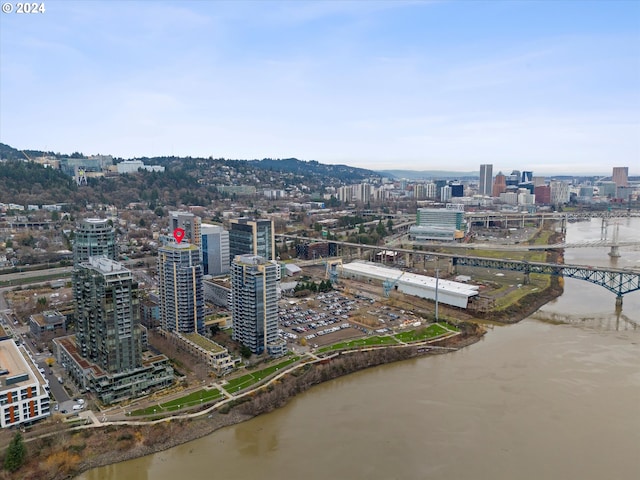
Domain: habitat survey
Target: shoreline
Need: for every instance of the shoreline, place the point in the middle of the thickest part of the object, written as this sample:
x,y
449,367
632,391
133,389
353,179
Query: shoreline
x,y
268,399
69,453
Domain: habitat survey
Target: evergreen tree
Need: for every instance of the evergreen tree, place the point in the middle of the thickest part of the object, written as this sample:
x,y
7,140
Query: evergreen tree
x,y
16,453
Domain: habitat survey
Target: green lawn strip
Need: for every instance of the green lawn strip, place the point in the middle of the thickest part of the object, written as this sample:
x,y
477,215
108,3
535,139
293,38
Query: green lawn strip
x,y
431,331
195,398
249,379
360,342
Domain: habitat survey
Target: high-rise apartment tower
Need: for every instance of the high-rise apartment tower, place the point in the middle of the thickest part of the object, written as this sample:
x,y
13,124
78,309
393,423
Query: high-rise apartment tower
x,y
254,304
94,237
107,315
180,288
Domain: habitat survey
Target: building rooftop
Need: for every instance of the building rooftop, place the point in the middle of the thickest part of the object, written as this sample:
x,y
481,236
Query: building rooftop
x,y
203,342
69,343
47,318
179,246
385,273
15,369
106,265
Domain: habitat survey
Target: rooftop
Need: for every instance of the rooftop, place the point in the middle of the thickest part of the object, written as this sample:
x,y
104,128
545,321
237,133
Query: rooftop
x,y
15,366
203,342
385,273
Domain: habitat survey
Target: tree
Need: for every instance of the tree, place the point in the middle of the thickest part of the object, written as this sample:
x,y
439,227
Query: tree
x,y
16,453
245,351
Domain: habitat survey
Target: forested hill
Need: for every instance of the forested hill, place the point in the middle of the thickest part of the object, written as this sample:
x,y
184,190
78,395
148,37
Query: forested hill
x,y
300,167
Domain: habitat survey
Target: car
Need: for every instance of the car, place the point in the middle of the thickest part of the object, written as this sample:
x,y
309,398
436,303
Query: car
x,y
63,411
56,408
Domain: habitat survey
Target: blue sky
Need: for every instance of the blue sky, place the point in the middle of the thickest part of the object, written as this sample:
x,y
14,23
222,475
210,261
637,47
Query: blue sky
x,y
548,86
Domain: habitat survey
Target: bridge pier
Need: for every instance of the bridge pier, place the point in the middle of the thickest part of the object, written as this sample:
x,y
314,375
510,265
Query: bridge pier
x,y
615,251
618,302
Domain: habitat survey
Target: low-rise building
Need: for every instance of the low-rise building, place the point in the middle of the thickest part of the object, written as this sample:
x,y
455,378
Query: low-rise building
x,y
23,394
47,325
215,356
450,293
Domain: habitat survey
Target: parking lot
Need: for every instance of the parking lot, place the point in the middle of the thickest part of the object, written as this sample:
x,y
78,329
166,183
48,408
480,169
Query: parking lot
x,y
331,317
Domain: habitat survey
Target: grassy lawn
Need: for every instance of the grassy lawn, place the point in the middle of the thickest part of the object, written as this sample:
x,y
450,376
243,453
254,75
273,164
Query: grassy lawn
x,y
538,282
360,342
424,333
195,398
249,379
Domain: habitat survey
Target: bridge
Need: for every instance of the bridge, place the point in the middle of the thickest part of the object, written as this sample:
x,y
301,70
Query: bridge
x,y
618,281
524,246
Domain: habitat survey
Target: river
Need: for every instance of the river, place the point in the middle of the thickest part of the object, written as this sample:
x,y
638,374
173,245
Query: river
x,y
556,396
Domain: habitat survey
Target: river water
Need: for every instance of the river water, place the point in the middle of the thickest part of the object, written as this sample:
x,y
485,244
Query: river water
x,y
556,396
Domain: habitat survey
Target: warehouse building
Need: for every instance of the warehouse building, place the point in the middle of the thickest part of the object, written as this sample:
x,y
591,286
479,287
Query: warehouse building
x,y
450,293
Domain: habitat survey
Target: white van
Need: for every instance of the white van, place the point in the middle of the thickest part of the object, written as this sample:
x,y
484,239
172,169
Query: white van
x,y
77,407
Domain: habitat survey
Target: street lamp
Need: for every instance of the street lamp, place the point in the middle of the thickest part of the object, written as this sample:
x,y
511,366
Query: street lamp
x,y
437,279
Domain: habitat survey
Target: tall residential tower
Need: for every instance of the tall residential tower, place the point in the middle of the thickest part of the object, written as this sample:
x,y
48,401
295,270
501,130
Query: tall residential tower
x,y
254,304
108,329
180,288
94,237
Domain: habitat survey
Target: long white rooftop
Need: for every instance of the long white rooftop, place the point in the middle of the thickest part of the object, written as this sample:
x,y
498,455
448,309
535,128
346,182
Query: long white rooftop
x,y
454,293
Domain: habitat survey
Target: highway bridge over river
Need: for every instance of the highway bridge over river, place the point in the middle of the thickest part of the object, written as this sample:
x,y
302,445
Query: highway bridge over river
x,y
618,281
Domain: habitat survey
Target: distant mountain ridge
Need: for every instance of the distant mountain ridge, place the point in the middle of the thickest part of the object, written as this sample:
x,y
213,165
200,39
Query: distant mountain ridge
x,y
428,174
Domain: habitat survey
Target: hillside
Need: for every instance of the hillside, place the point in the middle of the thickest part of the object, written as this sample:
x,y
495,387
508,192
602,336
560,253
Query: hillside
x,y
186,180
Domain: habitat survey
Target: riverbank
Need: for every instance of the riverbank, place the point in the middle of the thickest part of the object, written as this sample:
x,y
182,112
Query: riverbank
x,y
68,453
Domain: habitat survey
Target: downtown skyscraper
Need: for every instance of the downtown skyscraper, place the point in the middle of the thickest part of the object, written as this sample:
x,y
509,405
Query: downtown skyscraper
x,y
485,185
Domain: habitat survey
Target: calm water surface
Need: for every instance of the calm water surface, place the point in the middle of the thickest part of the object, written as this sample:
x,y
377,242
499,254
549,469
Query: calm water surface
x,y
556,396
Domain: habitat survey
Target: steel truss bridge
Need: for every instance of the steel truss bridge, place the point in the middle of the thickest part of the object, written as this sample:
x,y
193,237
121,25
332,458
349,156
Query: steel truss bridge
x,y
618,281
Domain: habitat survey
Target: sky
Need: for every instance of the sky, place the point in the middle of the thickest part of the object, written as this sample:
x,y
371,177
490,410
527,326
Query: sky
x,y
548,86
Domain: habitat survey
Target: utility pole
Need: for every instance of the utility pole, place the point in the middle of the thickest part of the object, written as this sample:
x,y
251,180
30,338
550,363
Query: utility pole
x,y
437,279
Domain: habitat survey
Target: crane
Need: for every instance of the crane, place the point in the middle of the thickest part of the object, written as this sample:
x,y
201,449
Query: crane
x,y
388,285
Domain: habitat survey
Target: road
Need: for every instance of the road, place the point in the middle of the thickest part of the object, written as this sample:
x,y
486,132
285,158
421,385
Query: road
x,y
7,277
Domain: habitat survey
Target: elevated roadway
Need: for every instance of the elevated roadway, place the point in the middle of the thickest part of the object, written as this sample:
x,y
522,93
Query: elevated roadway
x,y
618,281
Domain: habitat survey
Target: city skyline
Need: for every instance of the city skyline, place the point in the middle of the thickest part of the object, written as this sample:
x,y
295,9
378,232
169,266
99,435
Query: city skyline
x,y
552,87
